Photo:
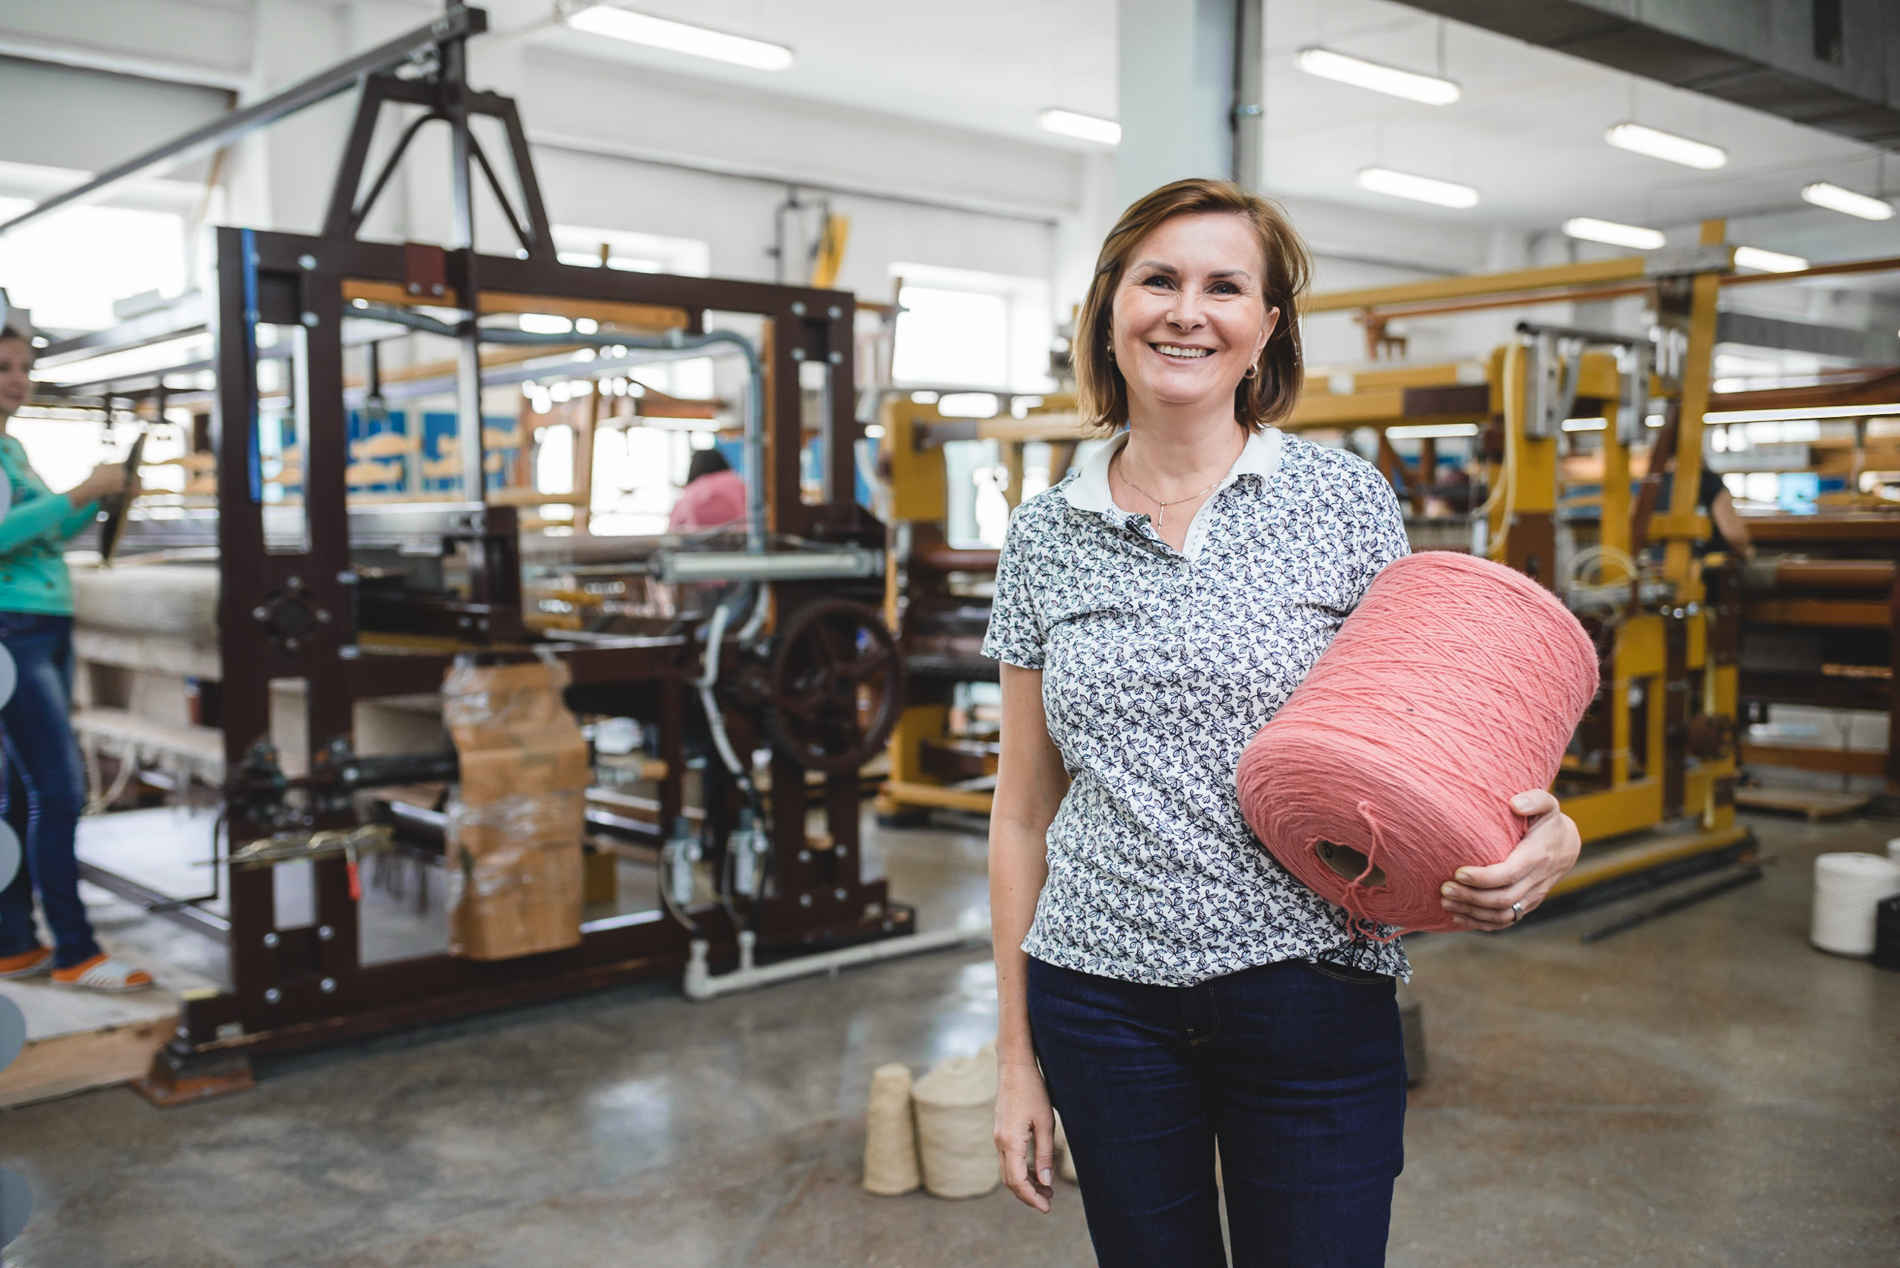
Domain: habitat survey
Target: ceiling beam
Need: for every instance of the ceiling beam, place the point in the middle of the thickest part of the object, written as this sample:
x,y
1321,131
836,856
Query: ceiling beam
x,y
1833,66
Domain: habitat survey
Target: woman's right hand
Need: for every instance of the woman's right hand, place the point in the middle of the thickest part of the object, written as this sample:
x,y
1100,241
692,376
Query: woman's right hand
x,y
1025,1132
106,480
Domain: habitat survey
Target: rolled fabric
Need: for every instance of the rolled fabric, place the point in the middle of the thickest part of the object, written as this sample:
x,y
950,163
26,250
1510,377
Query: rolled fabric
x,y
1454,685
1848,889
890,1135
956,1122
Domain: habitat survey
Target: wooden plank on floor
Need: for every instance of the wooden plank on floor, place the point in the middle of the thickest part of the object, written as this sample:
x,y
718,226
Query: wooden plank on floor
x,y
1810,802
66,1064
1813,757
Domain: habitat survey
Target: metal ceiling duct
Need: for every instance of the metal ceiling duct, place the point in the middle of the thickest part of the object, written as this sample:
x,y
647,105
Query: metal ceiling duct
x,y
1829,64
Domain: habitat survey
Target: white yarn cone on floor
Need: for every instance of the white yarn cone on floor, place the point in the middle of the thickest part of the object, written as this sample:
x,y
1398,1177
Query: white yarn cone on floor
x,y
1848,888
890,1137
956,1120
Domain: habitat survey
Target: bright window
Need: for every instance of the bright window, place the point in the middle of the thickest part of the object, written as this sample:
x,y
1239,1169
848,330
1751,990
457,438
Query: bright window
x,y
951,337
959,327
68,267
635,252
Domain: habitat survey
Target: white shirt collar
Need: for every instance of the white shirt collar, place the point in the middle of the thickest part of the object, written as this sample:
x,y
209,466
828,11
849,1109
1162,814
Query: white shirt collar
x,y
1089,490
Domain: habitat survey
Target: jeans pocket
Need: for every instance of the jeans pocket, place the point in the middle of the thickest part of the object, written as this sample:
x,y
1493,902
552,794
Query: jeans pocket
x,y
1347,973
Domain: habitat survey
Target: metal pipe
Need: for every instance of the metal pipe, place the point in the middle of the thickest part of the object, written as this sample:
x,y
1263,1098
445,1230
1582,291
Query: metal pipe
x,y
1872,575
701,984
1576,332
457,23
672,341
675,343
686,566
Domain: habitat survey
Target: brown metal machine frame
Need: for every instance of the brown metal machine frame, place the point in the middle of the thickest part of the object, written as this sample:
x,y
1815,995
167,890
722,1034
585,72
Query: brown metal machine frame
x,y
294,615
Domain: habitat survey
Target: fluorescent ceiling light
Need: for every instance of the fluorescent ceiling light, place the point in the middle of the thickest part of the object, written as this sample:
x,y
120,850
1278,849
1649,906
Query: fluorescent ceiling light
x,y
1360,73
1613,233
1667,146
128,363
544,324
1768,261
1729,363
1834,198
1885,410
679,37
1586,424
1424,189
1085,127
1431,431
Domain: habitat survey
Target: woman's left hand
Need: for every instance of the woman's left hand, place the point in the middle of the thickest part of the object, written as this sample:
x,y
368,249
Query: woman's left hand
x,y
1498,896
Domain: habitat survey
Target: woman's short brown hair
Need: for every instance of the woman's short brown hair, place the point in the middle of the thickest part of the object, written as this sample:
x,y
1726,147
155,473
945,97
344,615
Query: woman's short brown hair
x,y
1259,401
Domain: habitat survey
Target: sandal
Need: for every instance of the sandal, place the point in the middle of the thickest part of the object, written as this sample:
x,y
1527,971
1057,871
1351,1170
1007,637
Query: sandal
x,y
103,973
26,964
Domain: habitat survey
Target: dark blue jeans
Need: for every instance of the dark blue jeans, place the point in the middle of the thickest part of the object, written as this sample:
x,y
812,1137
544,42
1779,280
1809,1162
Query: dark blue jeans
x,y
46,789
1297,1071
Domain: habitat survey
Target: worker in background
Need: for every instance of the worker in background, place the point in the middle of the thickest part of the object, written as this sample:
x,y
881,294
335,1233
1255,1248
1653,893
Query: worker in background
x,y
45,785
714,495
1727,530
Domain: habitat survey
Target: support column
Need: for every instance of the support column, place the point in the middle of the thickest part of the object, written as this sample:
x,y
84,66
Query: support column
x,y
1177,91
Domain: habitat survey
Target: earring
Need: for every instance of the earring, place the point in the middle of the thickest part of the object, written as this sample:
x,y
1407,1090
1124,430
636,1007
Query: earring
x,y
1253,371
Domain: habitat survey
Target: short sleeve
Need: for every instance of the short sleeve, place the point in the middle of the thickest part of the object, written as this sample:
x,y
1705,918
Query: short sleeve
x,y
1016,629
1712,488
1380,537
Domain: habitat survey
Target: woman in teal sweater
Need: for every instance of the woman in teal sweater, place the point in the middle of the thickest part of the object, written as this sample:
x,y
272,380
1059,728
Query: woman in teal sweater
x,y
45,782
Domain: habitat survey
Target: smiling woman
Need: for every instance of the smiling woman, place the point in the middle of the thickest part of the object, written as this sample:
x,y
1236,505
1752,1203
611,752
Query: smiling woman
x,y
1206,253
1161,981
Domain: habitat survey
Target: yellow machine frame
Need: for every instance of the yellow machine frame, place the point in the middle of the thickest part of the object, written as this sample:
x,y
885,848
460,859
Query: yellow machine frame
x,y
1670,651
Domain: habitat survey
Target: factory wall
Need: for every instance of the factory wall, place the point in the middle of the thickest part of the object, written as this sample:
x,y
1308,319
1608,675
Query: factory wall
x,y
621,148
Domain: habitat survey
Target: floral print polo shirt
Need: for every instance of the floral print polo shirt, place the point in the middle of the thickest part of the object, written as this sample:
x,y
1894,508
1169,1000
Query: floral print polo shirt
x,y
1158,666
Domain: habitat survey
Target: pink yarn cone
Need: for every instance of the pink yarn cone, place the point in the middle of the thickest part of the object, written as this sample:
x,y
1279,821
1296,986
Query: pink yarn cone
x,y
1453,686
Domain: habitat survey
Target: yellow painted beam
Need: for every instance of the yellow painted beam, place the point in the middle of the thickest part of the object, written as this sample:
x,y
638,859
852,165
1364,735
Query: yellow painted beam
x,y
1629,268
1639,648
1444,374
1614,864
919,484
935,795
1697,366
1615,812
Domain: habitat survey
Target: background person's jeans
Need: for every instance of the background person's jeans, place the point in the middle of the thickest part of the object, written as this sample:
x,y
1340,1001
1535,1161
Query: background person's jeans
x,y
1298,1070
45,789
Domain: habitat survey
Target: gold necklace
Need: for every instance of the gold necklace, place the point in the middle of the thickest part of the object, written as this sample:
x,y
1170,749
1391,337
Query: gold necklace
x,y
1161,520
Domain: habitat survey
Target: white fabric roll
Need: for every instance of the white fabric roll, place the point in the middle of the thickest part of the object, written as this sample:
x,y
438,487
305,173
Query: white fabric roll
x,y
890,1137
1847,888
956,1121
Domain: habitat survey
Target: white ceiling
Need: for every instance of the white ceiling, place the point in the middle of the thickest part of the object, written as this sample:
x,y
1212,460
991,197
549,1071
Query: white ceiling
x,y
1528,132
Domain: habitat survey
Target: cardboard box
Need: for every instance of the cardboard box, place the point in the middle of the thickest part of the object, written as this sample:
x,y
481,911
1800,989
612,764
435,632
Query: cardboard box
x,y
530,904
516,821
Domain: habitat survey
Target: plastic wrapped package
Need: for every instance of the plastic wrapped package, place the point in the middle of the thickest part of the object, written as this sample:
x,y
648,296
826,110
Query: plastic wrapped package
x,y
516,821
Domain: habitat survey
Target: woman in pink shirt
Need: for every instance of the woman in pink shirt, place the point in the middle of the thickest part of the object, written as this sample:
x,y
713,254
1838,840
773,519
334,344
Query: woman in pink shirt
x,y
714,495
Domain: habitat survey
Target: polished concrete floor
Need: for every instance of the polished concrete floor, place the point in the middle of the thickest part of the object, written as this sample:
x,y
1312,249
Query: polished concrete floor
x,y
1702,1090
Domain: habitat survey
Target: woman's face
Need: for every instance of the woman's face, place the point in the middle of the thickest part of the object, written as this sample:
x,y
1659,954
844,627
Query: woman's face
x,y
16,359
1189,316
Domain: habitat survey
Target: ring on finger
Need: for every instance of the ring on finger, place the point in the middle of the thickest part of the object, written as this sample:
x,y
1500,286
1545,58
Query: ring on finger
x,y
1517,912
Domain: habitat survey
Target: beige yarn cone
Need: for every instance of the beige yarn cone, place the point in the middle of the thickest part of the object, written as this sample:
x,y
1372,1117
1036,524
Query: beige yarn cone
x,y
956,1121
1065,1161
890,1137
